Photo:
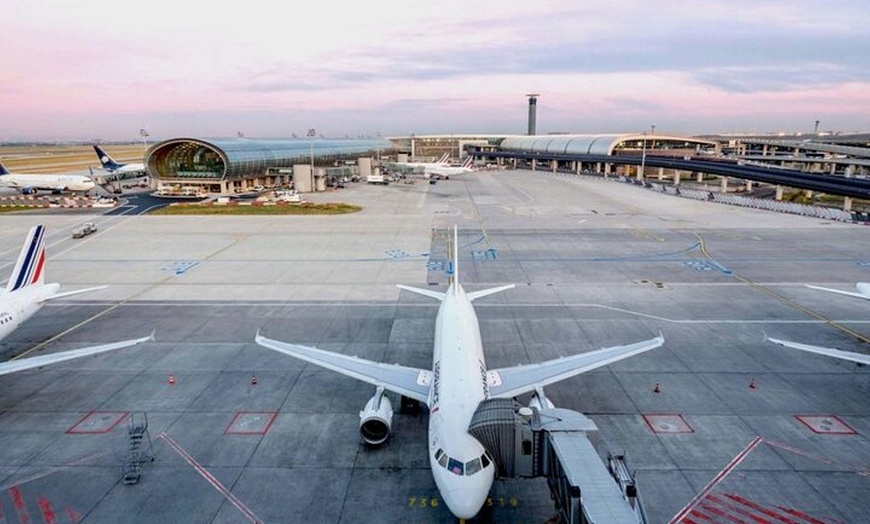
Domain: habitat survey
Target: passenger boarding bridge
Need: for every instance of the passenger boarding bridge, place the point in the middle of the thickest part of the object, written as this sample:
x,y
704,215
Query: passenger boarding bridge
x,y
563,446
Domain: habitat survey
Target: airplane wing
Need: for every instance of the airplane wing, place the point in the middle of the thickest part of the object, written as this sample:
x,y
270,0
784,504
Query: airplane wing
x,y
509,382
70,293
847,293
831,352
34,362
411,382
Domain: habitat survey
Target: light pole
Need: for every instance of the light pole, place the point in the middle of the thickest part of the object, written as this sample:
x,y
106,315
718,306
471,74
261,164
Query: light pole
x,y
144,134
642,158
310,134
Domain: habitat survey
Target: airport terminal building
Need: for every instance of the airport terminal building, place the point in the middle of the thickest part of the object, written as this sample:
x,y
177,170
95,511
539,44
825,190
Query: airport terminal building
x,y
196,166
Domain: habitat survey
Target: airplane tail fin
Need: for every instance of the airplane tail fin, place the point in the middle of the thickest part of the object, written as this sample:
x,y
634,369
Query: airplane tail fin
x,y
444,158
469,162
29,269
107,161
3,170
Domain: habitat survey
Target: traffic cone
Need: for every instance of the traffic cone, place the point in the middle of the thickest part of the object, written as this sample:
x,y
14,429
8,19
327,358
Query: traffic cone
x,y
752,383
657,389
253,380
171,380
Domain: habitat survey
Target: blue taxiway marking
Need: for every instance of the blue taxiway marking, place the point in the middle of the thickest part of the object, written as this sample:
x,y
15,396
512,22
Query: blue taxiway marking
x,y
489,254
181,267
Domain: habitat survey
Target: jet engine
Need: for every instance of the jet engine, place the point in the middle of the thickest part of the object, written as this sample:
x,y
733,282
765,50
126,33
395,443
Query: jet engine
x,y
376,418
29,191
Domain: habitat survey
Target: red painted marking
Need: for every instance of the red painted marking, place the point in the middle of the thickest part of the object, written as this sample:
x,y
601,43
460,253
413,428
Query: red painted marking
x,y
717,479
47,512
759,508
733,508
73,516
802,515
696,513
862,472
721,514
74,431
20,507
849,430
271,414
48,472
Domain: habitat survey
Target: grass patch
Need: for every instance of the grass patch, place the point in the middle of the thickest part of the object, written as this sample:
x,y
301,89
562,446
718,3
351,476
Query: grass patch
x,y
15,209
332,208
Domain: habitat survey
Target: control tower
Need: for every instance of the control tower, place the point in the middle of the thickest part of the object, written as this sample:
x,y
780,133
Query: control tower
x,y
533,110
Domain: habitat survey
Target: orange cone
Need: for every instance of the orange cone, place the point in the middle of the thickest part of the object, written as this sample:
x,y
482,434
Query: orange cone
x,y
657,389
171,380
752,383
253,380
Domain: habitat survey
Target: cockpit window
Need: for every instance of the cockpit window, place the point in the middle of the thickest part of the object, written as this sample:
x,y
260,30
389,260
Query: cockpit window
x,y
454,466
484,459
472,466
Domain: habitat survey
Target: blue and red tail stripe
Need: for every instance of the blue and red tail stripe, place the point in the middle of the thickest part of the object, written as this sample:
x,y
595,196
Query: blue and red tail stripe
x,y
31,261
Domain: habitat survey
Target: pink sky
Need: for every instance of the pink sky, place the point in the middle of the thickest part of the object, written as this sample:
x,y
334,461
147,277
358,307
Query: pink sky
x,y
85,70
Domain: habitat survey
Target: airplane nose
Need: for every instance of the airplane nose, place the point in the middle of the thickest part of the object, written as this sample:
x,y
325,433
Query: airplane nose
x,y
466,503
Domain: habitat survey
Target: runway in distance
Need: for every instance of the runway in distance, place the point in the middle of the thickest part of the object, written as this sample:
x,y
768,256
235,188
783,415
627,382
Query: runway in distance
x,y
108,163
31,184
26,293
453,388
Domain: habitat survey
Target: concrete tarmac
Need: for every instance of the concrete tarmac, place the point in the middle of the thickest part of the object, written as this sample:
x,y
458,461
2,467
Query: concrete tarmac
x,y
597,263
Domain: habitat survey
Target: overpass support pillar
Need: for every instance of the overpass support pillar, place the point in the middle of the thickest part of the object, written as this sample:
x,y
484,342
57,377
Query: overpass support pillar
x,y
676,177
515,162
847,204
749,185
576,167
534,164
607,167
778,193
724,186
554,165
661,174
700,177
809,194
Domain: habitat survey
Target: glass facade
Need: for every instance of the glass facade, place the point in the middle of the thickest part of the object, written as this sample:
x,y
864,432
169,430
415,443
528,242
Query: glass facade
x,y
214,160
602,144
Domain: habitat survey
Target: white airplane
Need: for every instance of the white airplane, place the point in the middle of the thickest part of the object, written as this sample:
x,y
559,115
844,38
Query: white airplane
x,y
31,184
415,165
445,170
831,352
111,166
862,287
26,293
453,388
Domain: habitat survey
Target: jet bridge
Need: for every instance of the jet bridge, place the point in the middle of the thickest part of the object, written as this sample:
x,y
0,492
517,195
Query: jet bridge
x,y
563,446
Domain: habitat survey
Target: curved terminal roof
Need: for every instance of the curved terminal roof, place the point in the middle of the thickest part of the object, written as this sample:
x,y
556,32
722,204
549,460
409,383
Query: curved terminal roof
x,y
222,158
598,144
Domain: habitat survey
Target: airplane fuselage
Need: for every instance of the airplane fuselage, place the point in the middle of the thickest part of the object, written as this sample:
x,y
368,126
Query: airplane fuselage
x,y
465,476
47,182
18,306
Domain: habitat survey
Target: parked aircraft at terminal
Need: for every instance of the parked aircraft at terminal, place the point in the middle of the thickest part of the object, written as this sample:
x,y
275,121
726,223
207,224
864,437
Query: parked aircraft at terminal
x,y
26,293
31,184
417,165
446,170
109,164
453,388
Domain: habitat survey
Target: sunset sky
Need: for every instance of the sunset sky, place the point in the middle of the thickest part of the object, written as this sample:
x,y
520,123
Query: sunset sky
x,y
96,70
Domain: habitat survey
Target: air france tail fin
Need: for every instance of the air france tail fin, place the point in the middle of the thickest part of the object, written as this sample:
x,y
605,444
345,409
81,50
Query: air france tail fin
x,y
444,158
29,269
469,162
3,170
107,161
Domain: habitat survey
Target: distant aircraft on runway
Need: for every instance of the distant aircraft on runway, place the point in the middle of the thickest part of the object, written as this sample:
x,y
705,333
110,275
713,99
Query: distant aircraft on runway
x,y
111,166
26,293
31,184
453,389
862,287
